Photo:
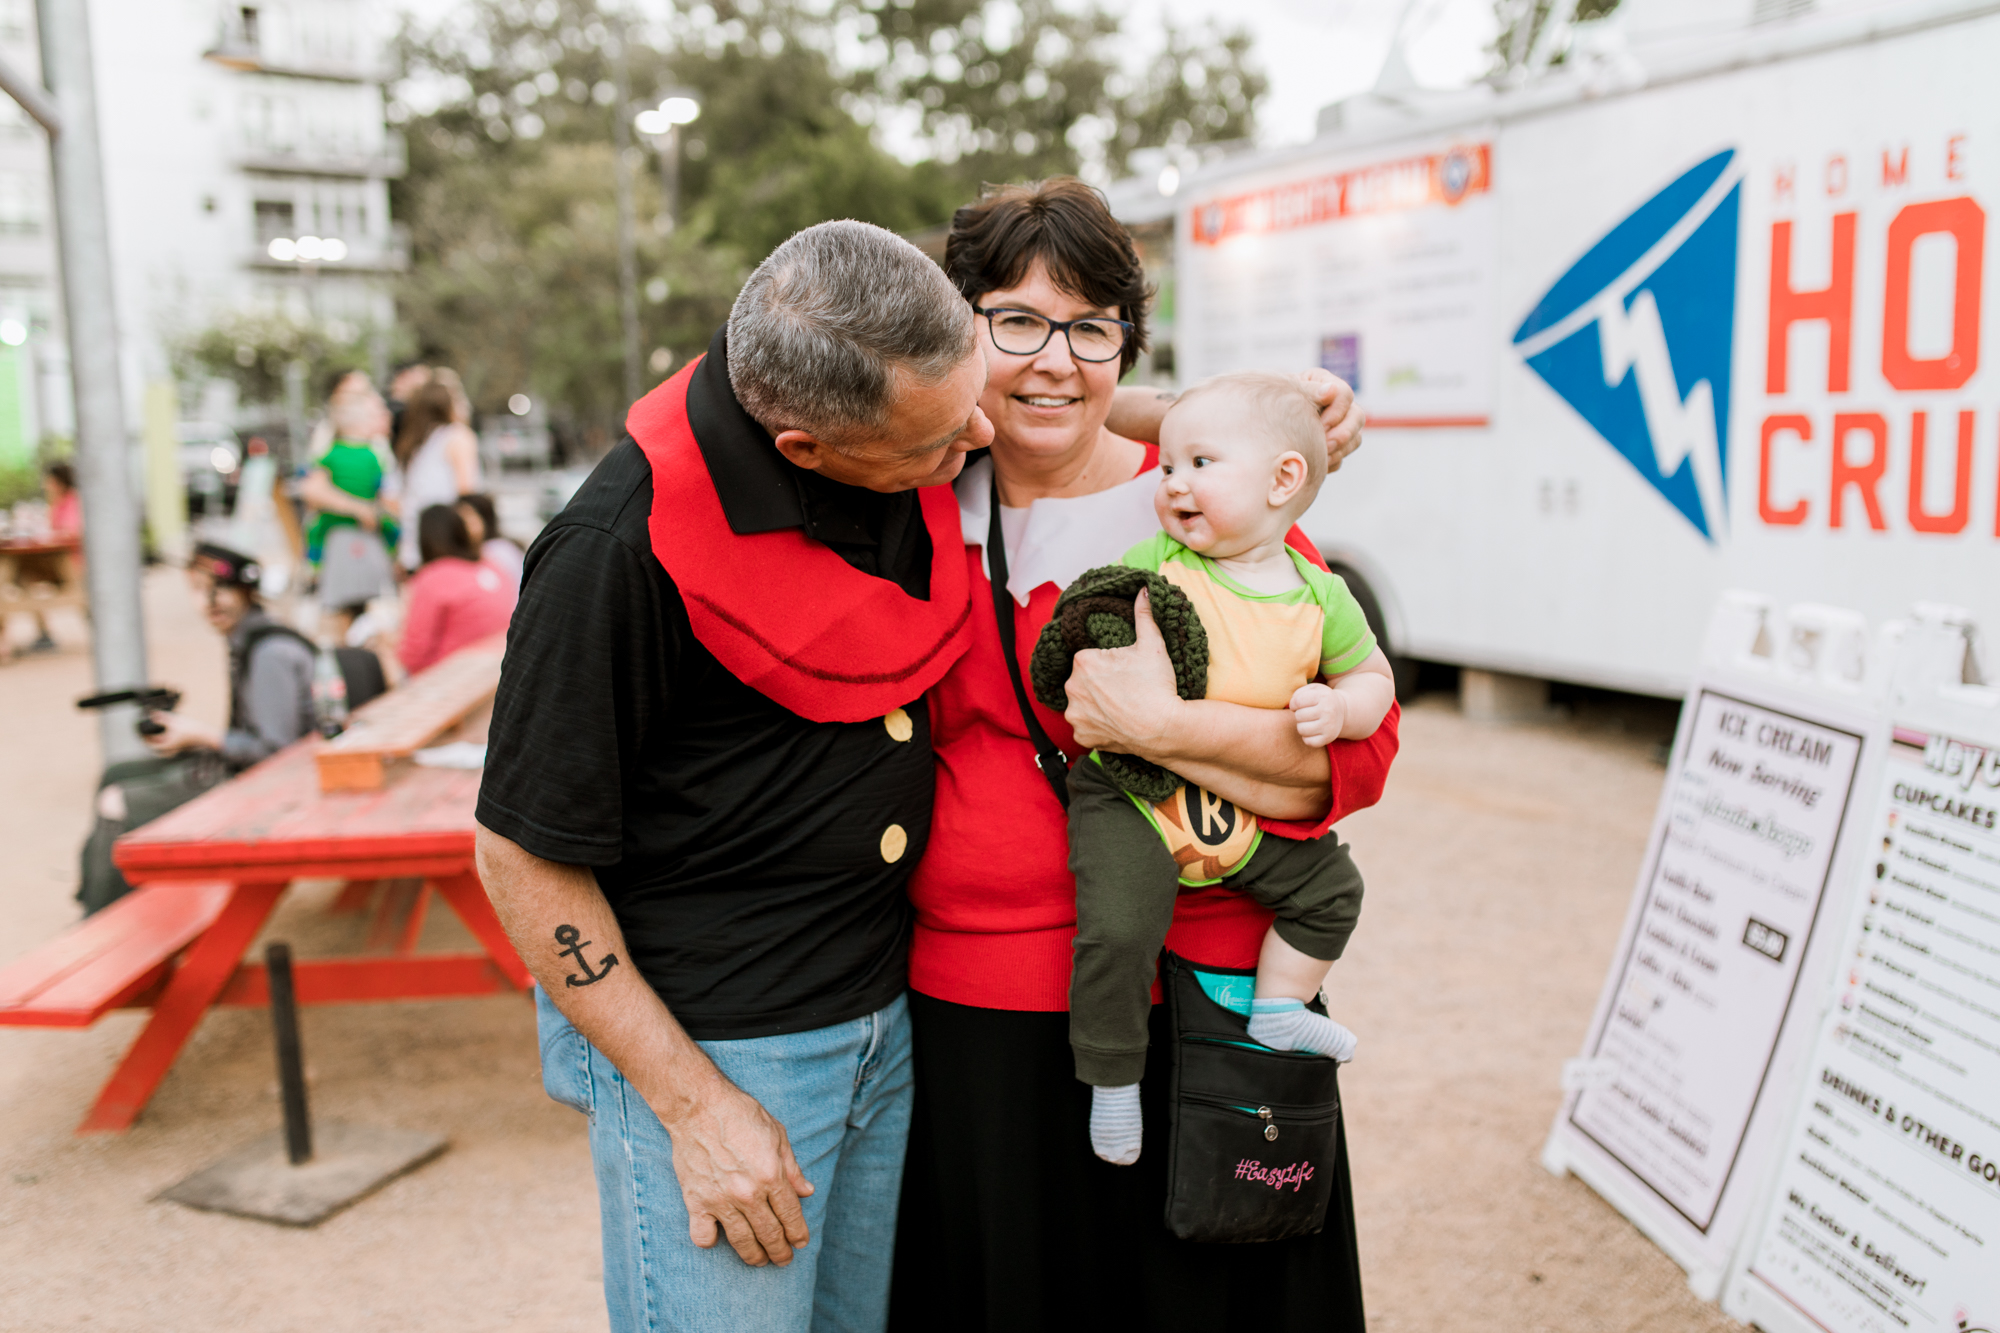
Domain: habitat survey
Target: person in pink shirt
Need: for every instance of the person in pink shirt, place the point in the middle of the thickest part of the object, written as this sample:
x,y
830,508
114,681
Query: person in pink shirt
x,y
65,524
65,507
454,598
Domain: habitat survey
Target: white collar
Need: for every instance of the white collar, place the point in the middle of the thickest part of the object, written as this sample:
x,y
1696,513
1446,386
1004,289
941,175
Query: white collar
x,y
1065,535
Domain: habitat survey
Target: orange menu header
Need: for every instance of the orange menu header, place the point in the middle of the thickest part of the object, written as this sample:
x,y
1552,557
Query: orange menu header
x,y
1386,187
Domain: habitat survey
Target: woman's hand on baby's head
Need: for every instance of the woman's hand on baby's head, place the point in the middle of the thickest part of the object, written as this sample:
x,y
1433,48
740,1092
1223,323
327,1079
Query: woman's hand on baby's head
x,y
1339,413
1320,711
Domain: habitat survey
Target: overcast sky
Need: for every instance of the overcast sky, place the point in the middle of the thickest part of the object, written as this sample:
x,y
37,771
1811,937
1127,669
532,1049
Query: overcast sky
x,y
1319,51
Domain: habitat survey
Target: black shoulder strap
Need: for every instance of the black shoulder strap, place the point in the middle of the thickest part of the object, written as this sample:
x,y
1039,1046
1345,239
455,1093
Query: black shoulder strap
x,y
1050,759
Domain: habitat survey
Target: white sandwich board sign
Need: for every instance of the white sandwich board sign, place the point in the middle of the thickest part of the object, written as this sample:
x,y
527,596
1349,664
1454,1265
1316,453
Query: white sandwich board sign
x,y
1884,1212
1674,1110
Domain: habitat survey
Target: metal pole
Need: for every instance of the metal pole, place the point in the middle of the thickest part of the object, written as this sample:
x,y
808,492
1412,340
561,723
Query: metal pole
x,y
291,1061
670,176
104,458
628,248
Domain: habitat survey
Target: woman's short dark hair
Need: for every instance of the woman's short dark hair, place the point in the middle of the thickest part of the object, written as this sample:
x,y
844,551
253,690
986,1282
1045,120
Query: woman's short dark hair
x,y
1069,227
63,475
441,532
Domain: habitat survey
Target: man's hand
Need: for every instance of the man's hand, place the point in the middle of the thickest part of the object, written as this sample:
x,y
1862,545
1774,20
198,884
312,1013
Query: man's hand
x,y
1320,711
182,733
1339,413
1119,698
738,1174
732,1158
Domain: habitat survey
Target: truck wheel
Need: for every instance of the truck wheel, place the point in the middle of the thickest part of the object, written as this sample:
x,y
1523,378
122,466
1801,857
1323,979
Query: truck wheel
x,y
1405,668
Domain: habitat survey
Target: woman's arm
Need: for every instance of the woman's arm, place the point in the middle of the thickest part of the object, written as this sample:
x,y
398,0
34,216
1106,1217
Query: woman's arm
x,y
319,491
1252,756
1137,410
1123,700
461,449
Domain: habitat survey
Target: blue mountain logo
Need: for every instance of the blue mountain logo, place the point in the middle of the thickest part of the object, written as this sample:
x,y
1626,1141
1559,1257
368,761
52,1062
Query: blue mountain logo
x,y
1636,337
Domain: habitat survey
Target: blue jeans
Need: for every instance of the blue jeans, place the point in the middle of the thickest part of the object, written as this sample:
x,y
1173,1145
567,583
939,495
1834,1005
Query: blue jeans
x,y
843,1094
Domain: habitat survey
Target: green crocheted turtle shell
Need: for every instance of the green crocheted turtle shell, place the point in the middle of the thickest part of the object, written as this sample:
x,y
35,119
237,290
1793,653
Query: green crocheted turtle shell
x,y
1096,611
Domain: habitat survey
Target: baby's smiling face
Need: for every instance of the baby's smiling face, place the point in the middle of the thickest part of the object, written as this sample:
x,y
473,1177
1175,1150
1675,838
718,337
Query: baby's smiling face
x,y
1228,481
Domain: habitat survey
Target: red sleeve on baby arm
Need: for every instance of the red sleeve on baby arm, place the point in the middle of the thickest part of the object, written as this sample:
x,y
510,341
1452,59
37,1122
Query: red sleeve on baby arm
x,y
1360,768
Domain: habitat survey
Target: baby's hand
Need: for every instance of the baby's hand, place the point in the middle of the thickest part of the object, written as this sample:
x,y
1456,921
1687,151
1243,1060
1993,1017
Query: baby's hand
x,y
1321,711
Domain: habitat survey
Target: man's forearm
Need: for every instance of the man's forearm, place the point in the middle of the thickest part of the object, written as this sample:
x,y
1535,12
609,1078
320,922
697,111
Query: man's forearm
x,y
1252,756
564,931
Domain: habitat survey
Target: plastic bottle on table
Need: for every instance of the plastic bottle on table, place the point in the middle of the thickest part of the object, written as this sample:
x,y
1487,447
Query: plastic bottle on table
x,y
329,691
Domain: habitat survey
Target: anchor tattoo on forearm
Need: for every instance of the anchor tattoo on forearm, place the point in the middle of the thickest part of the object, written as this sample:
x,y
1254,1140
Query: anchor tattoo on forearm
x,y
568,935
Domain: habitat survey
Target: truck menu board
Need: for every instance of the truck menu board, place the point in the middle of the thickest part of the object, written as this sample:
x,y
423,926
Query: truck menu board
x,y
1689,1026
1886,1211
1378,269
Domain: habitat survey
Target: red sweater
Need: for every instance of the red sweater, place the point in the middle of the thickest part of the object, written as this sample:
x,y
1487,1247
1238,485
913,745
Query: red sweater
x,y
996,903
452,603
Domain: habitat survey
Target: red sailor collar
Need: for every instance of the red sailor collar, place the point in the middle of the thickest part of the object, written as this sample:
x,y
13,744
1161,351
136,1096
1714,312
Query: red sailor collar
x,y
784,614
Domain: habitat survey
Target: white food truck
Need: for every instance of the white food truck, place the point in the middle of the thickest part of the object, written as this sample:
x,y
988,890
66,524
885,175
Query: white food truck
x,y
1700,309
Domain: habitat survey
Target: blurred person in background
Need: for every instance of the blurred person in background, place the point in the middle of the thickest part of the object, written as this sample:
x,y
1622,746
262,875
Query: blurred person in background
x,y
65,523
354,529
338,384
270,668
483,522
439,456
455,598
65,505
270,706
403,385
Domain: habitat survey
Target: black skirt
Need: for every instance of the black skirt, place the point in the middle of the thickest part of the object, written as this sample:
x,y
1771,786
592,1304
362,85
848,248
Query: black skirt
x,y
1011,1224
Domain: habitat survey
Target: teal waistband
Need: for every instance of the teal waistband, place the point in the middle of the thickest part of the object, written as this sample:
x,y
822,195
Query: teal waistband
x,y
1230,990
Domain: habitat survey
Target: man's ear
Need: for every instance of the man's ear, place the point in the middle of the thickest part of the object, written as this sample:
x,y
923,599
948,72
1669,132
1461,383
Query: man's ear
x,y
802,449
1288,476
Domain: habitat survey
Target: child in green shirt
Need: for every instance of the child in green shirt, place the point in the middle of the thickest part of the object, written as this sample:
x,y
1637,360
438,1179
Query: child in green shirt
x,y
1241,458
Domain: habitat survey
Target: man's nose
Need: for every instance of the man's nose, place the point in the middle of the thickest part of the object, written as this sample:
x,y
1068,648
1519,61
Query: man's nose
x,y
978,433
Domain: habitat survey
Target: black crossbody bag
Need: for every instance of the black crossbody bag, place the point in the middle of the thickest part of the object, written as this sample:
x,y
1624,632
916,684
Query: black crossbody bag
x,y
1253,1131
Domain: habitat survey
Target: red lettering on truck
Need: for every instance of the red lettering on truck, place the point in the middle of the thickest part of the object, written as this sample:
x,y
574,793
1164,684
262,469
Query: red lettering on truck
x,y
1965,222
1833,303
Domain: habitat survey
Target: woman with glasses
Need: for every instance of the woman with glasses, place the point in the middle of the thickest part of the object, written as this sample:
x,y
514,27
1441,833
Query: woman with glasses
x,y
1009,1221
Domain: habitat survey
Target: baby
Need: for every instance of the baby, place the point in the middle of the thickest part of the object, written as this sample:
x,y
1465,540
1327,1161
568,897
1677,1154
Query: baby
x,y
1241,458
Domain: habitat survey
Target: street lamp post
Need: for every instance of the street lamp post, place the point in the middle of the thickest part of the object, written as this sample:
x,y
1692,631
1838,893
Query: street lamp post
x,y
663,124
68,111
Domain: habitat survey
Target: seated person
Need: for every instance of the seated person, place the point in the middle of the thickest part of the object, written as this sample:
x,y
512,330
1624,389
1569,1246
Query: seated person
x,y
1241,458
270,668
454,597
65,524
483,522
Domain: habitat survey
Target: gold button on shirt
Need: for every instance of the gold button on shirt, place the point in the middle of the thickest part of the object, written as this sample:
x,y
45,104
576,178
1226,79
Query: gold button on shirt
x,y
894,843
900,728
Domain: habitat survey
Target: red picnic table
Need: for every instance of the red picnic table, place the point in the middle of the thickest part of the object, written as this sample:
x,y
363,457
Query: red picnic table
x,y
250,838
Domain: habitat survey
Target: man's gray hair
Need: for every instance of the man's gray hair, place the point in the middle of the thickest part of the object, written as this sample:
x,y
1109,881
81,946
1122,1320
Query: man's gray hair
x,y
817,334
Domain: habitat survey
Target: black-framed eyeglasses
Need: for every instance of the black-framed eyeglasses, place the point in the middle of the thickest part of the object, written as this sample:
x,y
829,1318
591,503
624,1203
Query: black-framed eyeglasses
x,y
1024,333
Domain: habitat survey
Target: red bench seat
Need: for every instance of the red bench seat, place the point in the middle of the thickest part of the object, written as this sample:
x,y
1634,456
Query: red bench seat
x,y
108,960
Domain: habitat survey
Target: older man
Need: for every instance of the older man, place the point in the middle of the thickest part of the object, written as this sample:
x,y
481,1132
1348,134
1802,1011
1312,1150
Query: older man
x,y
709,776
708,779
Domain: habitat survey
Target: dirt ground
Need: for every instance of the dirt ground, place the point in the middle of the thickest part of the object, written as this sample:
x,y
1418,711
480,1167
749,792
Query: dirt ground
x,y
1499,866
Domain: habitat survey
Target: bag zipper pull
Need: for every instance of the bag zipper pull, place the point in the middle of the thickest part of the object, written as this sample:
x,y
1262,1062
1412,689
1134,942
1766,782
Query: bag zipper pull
x,y
1270,1130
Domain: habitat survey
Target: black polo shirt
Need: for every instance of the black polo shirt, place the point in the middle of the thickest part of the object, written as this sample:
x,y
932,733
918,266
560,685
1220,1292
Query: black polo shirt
x,y
739,844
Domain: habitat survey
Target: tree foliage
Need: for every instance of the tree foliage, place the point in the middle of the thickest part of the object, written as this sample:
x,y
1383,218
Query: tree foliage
x,y
510,109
